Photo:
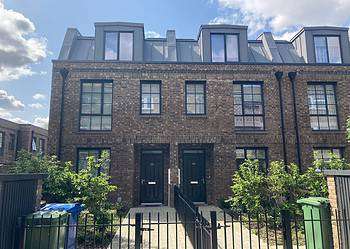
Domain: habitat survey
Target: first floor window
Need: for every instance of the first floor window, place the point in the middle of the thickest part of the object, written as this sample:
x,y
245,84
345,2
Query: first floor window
x,y
195,98
83,155
2,142
325,153
150,97
42,146
12,143
322,106
96,106
259,154
248,106
327,49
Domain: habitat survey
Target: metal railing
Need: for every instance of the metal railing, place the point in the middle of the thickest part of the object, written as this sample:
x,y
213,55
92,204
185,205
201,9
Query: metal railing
x,y
171,230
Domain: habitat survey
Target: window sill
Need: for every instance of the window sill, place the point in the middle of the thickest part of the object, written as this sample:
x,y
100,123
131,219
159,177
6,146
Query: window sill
x,y
329,131
196,116
251,131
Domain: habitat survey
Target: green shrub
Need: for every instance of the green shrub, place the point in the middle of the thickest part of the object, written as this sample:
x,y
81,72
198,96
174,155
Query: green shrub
x,y
89,186
254,191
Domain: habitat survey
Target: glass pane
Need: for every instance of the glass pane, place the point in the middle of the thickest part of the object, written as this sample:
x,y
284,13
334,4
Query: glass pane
x,y
111,47
232,48
87,87
259,123
108,87
239,122
256,89
261,154
240,153
97,87
96,123
217,48
333,123
330,99
199,98
313,109
84,123
191,98
333,49
126,43
200,109
332,110
191,108
86,98
155,88
330,89
96,108
321,109
249,122
248,108
251,154
191,88
323,123
320,49
155,109
247,89
146,88
237,99
155,98
314,123
238,109
86,108
199,88
106,122
107,98
107,109
96,98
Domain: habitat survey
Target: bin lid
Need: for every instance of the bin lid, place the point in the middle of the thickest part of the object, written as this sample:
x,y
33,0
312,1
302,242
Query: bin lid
x,y
73,208
47,215
314,201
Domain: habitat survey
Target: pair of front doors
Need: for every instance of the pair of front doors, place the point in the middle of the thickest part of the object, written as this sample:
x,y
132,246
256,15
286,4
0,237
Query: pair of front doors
x,y
152,176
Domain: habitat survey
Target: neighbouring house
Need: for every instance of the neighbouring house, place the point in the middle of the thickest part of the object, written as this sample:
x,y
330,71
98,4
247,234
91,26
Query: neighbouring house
x,y
189,111
15,137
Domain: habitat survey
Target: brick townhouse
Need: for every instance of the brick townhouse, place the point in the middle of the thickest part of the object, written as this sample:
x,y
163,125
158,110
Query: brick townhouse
x,y
189,111
15,137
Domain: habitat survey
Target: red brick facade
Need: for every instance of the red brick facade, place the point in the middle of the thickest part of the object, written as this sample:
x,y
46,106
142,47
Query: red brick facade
x,y
172,129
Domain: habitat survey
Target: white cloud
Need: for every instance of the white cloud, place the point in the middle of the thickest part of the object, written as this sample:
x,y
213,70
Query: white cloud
x,y
36,106
283,16
9,116
39,96
18,47
42,122
9,102
152,34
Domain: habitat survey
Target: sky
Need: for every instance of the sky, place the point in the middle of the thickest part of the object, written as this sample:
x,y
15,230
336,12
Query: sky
x,y
32,31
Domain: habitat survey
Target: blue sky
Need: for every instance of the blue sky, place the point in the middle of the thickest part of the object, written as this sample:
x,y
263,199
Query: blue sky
x,y
35,30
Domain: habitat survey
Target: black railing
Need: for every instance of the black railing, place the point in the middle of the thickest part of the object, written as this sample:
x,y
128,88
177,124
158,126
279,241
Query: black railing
x,y
170,229
199,229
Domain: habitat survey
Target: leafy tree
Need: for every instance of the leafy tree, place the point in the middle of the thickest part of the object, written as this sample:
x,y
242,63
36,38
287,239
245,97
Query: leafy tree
x,y
249,188
89,186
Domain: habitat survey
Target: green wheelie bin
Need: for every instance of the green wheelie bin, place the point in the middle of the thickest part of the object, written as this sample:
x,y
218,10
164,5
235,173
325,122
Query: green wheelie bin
x,y
46,230
317,221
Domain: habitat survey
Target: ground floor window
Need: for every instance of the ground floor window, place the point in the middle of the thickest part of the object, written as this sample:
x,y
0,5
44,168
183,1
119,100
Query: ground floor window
x,y
259,154
84,153
325,153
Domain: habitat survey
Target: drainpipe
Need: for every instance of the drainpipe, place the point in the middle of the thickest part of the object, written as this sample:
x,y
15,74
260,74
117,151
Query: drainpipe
x,y
292,76
279,76
64,73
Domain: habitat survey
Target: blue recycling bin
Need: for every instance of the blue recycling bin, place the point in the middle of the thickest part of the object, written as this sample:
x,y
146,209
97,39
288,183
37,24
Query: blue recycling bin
x,y
74,209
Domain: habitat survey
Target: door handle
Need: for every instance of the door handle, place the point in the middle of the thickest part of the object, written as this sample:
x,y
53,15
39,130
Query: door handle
x,y
143,181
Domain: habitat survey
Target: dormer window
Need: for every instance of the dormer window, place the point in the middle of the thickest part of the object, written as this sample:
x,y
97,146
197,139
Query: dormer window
x,y
119,46
327,49
224,48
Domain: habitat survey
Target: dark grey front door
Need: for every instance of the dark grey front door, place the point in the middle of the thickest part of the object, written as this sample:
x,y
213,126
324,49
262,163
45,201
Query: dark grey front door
x,y
194,175
151,180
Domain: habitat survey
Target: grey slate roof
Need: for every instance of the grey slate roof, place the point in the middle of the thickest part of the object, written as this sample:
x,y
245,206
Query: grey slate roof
x,y
265,49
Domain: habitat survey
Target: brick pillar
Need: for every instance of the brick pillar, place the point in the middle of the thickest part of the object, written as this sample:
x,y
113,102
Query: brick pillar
x,y
332,195
174,172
